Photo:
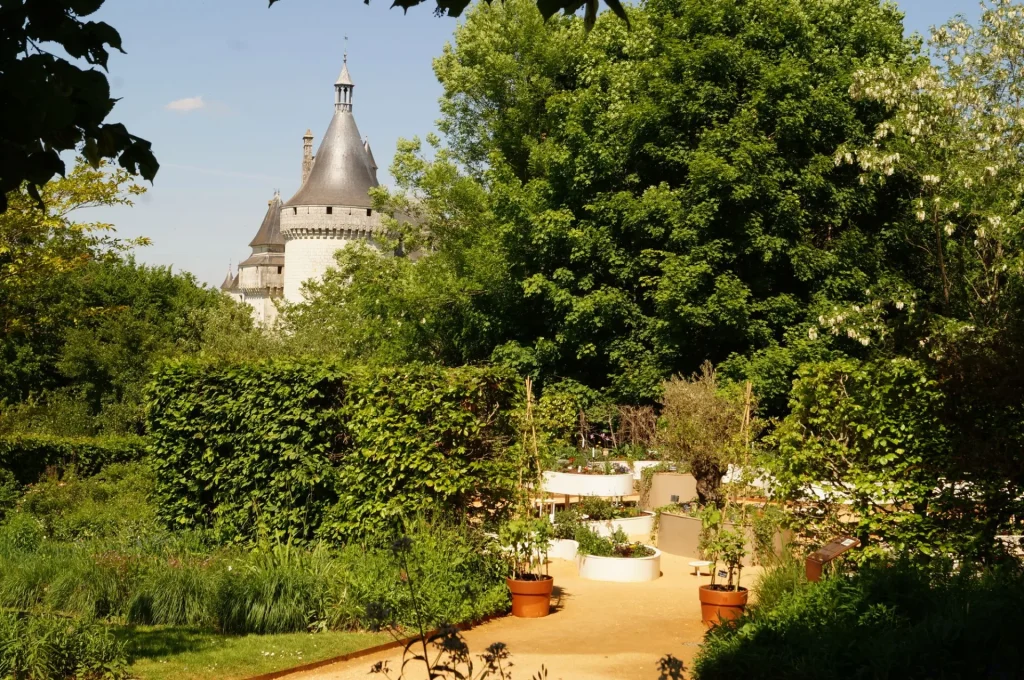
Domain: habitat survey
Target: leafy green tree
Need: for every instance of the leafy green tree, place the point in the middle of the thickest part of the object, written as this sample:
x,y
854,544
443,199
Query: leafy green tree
x,y
655,197
49,104
81,323
865,440
948,298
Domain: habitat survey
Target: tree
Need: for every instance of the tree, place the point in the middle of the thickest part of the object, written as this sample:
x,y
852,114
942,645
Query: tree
x,y
548,8
950,293
81,323
664,195
705,428
865,441
49,105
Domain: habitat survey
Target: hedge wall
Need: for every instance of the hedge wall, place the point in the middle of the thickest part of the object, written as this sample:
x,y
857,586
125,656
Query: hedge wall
x,y
28,456
300,450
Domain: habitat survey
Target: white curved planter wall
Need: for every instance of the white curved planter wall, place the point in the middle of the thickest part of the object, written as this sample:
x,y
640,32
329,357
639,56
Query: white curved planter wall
x,y
563,549
635,527
621,569
571,484
639,465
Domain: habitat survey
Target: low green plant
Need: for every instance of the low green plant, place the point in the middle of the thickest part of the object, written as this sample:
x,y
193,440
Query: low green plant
x,y
10,492
526,542
721,544
889,621
39,647
116,502
566,523
616,545
602,509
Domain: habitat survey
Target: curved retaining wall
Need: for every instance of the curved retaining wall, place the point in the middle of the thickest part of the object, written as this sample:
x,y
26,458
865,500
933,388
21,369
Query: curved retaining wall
x,y
572,484
621,569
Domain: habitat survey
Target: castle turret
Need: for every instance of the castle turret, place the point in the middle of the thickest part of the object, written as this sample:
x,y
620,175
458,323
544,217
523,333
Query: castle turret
x,y
261,276
332,207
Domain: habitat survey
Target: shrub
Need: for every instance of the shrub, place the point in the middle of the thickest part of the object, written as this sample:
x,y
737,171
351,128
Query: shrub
x,y
27,456
457,573
114,503
10,491
40,647
899,622
702,429
291,450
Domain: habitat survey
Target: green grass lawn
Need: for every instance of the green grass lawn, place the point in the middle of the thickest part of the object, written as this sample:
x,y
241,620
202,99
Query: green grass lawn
x,y
181,653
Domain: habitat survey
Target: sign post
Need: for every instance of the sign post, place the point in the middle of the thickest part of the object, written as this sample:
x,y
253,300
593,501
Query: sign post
x,y
817,560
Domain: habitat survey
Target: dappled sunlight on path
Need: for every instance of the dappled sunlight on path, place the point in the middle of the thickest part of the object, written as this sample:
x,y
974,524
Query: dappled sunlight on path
x,y
596,630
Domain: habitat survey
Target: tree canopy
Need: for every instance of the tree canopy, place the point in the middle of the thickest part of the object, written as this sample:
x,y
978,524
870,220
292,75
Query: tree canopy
x,y
49,104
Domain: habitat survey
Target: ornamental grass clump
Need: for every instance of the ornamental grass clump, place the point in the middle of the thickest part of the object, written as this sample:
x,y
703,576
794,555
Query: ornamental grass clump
x,y
37,647
277,591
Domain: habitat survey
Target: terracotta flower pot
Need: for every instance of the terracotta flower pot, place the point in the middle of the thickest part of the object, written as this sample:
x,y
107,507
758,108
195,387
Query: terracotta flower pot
x,y
531,599
721,605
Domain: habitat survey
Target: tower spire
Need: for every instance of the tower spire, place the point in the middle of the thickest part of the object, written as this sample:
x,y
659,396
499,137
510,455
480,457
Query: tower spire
x,y
343,86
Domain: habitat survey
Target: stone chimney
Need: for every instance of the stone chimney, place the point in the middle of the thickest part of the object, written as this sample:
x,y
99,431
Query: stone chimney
x,y
307,154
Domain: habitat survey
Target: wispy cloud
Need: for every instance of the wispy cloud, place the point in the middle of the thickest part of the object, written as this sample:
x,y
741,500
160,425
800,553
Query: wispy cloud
x,y
187,105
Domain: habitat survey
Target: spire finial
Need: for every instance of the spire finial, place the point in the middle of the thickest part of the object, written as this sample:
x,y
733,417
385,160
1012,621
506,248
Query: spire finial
x,y
343,86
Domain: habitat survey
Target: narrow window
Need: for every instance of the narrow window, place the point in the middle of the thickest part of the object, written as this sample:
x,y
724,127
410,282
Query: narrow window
x,y
295,211
279,269
329,210
369,211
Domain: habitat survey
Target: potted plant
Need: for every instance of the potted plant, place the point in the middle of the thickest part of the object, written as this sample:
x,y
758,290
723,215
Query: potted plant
x,y
526,543
722,601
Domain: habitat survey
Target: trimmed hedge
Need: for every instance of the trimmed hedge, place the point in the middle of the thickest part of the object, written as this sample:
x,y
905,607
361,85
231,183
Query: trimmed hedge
x,y
297,450
28,456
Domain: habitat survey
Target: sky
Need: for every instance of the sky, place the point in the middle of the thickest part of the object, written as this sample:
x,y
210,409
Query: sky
x,y
225,90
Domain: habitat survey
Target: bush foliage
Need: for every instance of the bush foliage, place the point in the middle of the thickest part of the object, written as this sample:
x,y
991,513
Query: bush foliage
x,y
290,450
883,622
28,456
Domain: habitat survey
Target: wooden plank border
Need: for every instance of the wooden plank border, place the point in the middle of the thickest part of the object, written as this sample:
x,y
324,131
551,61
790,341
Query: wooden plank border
x,y
369,651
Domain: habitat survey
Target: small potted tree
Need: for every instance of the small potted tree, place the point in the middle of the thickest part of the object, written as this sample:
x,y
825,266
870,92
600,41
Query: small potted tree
x,y
722,601
526,541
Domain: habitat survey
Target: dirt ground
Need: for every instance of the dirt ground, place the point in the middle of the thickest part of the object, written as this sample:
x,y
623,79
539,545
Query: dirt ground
x,y
596,630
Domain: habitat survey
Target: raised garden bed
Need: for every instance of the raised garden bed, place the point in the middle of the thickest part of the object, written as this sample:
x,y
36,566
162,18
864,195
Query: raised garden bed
x,y
621,569
634,527
576,484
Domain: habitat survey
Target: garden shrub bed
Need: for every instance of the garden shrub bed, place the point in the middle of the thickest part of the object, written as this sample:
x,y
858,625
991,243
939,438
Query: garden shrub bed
x,y
899,621
308,449
28,456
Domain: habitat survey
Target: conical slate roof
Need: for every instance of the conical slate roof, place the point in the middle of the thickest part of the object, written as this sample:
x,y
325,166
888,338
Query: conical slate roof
x,y
341,172
228,281
270,230
344,78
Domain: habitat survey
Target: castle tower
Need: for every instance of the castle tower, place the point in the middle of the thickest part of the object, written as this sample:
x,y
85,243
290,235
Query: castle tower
x,y
260,278
230,286
332,207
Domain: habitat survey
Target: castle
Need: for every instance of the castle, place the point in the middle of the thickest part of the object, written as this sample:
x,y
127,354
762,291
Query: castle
x,y
298,238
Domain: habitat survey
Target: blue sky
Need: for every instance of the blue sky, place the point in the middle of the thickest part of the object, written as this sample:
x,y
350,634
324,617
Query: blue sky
x,y
225,89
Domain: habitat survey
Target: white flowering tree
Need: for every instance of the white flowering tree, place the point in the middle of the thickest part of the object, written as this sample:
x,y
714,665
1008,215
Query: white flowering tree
x,y
949,309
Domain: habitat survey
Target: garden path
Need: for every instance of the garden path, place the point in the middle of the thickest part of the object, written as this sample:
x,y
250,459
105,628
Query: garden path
x,y
598,631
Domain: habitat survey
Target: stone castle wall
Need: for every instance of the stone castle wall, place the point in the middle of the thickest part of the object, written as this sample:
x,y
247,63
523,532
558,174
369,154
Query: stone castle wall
x,y
312,236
